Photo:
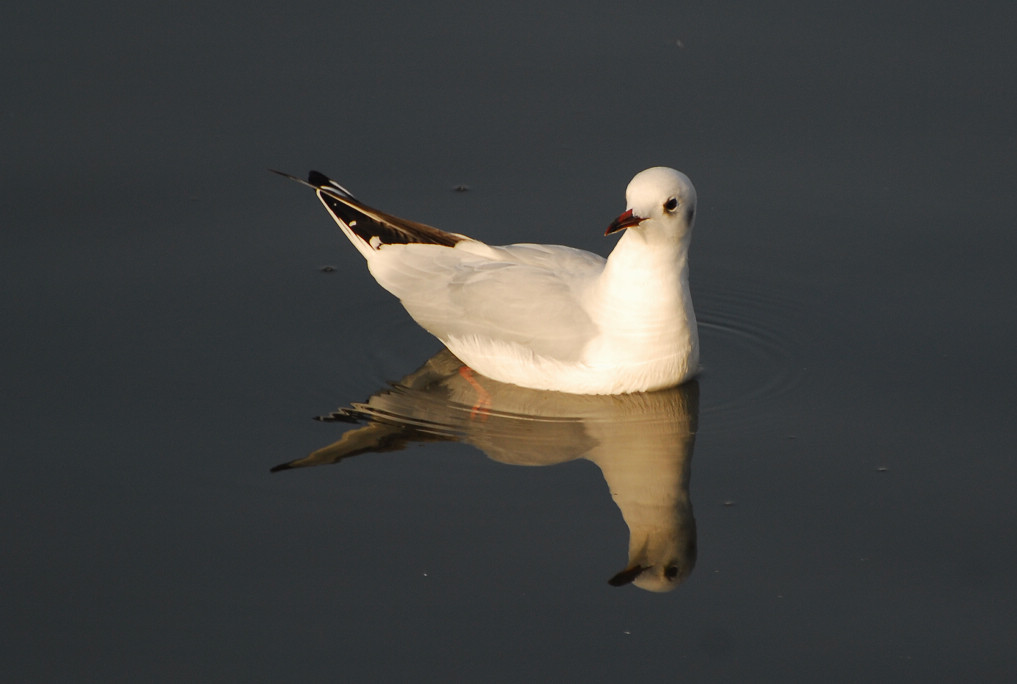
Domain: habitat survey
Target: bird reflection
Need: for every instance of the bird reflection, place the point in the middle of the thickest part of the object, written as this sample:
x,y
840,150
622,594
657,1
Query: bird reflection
x,y
642,444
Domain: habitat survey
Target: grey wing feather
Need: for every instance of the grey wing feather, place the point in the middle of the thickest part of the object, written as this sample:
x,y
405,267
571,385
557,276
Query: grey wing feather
x,y
456,294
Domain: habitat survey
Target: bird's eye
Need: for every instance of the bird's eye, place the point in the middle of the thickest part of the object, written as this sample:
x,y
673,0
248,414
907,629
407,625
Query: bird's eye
x,y
671,204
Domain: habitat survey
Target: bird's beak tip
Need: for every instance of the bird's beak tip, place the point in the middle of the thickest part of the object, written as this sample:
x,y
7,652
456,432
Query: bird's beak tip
x,y
626,220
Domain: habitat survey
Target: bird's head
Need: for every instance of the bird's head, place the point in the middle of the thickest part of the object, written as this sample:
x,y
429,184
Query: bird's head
x,y
659,200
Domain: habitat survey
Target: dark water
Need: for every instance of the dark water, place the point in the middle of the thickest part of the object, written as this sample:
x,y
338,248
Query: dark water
x,y
833,496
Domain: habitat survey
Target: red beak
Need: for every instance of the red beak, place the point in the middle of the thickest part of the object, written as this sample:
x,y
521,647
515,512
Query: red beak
x,y
626,220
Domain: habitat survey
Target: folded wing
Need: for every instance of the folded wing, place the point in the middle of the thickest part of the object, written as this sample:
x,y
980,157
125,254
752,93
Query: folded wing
x,y
508,294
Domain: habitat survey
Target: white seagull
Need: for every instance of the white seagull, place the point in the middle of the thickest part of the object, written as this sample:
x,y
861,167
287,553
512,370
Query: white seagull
x,y
546,317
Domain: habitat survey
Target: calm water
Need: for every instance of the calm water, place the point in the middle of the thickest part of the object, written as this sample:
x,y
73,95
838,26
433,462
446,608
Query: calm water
x,y
830,500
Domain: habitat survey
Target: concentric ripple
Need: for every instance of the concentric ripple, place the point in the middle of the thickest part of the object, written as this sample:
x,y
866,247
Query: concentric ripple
x,y
751,343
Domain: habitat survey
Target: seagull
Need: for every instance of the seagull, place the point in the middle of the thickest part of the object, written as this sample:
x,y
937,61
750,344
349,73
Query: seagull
x,y
546,317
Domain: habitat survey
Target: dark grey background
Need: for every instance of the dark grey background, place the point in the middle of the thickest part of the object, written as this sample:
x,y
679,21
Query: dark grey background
x,y
168,334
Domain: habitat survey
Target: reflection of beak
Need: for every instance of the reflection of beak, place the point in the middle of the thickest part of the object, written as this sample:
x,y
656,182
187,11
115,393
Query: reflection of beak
x,y
626,220
627,575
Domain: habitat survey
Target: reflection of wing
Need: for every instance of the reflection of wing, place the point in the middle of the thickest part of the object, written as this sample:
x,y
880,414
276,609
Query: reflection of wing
x,y
375,437
509,294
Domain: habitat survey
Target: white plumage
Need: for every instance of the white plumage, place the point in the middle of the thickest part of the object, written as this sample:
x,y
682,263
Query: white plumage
x,y
547,316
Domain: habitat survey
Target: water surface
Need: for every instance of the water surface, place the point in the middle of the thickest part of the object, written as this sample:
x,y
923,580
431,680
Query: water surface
x,y
842,480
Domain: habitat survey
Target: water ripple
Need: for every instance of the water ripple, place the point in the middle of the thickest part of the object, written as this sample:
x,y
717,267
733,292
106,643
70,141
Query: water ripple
x,y
752,341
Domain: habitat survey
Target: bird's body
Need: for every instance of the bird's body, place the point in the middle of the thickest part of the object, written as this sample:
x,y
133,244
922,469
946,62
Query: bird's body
x,y
547,316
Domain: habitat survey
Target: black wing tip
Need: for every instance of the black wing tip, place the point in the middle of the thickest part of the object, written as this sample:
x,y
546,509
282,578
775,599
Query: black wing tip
x,y
318,179
295,179
286,175
315,179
